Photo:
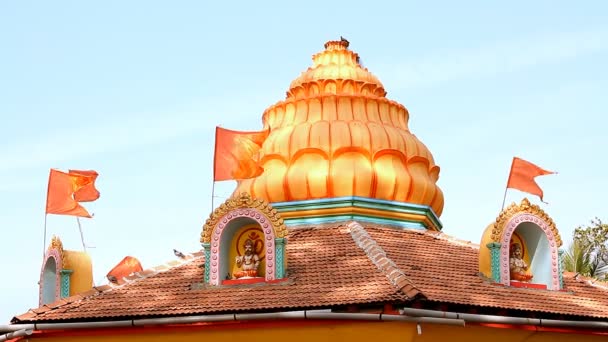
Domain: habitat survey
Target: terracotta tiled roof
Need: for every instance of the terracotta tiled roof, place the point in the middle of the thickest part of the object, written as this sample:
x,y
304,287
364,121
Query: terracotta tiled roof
x,y
325,268
446,271
378,256
328,266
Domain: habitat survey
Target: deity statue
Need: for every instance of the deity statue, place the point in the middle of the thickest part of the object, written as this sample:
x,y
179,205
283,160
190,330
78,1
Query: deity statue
x,y
248,263
517,265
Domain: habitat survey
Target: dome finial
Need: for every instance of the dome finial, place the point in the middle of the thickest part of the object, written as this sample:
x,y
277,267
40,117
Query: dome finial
x,y
341,44
344,41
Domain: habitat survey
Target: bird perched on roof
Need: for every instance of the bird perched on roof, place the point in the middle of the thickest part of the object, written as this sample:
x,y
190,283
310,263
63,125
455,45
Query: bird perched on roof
x,y
179,254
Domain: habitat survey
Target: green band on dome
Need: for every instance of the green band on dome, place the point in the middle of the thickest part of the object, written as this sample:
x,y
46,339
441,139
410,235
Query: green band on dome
x,y
347,208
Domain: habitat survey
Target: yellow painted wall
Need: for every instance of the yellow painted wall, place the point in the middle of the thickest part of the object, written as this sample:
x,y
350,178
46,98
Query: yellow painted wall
x,y
485,258
80,263
323,331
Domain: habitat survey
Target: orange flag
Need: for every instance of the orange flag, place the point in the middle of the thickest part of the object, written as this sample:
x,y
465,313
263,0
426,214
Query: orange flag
x,y
235,154
522,177
59,196
87,193
125,267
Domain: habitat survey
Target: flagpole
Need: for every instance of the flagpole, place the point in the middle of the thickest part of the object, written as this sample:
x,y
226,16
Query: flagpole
x,y
502,207
44,238
84,247
212,195
214,161
48,185
504,197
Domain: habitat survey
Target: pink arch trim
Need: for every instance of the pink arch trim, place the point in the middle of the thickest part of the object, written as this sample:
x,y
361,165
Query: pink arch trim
x,y
507,233
53,253
216,238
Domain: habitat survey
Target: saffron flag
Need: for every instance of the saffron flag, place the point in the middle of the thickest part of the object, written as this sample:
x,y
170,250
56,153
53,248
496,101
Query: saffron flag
x,y
60,193
522,177
124,268
236,154
87,193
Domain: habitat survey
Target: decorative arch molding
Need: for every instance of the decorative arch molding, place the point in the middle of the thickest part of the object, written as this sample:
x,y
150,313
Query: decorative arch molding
x,y
524,207
218,238
505,226
61,281
510,228
236,212
244,201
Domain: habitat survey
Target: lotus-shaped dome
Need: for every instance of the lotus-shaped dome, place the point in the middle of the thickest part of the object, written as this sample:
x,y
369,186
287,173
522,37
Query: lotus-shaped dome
x,y
336,134
335,63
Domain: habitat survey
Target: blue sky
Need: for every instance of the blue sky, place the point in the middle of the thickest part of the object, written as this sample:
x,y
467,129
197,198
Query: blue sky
x,y
134,90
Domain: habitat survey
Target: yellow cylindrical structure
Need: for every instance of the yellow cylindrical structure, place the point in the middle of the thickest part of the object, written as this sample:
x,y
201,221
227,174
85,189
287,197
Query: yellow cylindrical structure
x,y
81,279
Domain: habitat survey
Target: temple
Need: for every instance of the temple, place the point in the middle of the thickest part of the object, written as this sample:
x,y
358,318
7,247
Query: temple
x,y
339,238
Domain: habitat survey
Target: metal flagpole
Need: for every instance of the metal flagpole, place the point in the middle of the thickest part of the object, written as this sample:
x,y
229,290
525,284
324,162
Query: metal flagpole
x,y
48,186
507,187
44,239
212,195
84,247
214,161
503,199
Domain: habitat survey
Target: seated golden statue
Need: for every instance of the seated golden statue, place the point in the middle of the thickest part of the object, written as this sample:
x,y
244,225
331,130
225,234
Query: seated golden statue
x,y
517,265
248,262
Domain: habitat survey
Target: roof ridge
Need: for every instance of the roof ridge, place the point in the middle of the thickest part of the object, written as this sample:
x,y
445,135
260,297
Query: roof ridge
x,y
380,259
149,272
599,283
437,235
455,240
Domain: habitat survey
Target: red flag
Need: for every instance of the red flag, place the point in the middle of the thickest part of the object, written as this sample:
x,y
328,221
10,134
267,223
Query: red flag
x,y
522,177
125,267
87,193
59,197
235,154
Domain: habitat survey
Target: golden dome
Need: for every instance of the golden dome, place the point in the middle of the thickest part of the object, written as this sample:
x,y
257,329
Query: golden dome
x,y
336,134
341,71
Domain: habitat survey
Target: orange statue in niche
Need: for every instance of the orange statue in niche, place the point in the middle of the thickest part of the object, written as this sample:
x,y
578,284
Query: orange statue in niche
x,y
517,265
248,262
336,134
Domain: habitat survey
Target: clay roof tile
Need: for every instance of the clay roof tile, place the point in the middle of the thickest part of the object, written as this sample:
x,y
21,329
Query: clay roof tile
x,y
332,265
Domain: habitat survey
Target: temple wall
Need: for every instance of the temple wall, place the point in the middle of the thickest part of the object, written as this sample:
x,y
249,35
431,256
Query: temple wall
x,y
320,331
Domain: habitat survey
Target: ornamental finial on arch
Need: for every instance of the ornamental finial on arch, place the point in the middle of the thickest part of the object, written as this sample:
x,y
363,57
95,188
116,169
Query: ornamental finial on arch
x,y
524,207
240,201
56,244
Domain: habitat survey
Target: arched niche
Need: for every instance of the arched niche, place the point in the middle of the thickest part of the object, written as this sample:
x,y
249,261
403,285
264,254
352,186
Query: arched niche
x,y
225,239
523,247
222,240
49,283
539,251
